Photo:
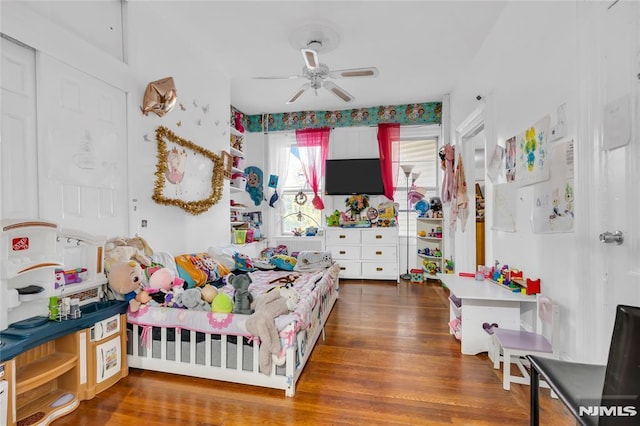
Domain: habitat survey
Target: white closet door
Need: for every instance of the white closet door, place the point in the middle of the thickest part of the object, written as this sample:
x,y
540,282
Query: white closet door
x,y
18,165
83,149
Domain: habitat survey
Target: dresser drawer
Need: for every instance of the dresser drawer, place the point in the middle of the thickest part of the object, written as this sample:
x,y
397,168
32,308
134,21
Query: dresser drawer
x,y
380,236
377,252
380,270
350,269
344,252
342,236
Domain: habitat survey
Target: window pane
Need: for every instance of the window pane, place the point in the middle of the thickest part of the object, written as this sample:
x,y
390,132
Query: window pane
x,y
423,154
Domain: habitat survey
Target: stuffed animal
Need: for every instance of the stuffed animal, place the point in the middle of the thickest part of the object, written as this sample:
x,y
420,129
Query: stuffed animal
x,y
222,304
191,298
122,254
125,278
242,297
208,293
261,323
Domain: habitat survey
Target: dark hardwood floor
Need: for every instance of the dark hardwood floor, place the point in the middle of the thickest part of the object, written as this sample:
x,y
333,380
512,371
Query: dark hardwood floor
x,y
388,359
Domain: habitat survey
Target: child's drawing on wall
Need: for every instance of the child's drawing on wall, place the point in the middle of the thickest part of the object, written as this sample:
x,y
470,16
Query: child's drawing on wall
x,y
175,168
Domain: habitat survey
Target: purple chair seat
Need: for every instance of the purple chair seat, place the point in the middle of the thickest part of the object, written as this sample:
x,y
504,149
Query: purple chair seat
x,y
522,340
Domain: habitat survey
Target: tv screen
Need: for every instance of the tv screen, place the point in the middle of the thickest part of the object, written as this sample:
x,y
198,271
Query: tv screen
x,y
353,176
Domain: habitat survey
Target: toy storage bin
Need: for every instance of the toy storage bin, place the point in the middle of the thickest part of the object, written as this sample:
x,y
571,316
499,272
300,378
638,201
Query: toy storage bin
x,y
417,275
240,236
249,236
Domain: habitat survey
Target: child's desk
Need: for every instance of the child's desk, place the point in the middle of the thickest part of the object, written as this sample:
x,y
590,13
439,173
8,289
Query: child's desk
x,y
484,301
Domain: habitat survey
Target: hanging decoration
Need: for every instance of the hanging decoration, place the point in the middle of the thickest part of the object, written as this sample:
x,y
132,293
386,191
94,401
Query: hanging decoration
x,y
273,183
254,184
187,175
159,97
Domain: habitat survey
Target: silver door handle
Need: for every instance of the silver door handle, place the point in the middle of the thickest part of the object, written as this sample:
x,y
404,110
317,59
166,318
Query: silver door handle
x,y
608,237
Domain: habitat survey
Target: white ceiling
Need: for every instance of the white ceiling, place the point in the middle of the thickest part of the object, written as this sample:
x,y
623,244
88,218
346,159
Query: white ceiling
x,y
419,47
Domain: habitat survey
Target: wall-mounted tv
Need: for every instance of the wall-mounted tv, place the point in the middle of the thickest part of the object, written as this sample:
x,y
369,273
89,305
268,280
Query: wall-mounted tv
x,y
353,176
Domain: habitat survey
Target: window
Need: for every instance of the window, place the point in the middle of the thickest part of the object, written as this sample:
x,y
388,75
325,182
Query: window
x,y
422,152
297,215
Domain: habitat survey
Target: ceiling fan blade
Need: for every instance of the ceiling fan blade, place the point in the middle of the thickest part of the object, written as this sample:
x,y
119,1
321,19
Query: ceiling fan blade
x,y
338,91
278,77
298,93
354,72
310,57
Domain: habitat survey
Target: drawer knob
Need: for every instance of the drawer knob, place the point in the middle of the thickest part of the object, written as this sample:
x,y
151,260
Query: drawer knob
x,y
378,253
342,236
379,268
378,237
342,252
342,268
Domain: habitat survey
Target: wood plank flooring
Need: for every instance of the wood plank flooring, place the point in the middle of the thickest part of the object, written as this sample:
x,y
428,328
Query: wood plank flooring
x,y
388,359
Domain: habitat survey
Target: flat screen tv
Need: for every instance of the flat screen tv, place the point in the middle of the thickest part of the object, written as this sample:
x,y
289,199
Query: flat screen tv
x,y
353,176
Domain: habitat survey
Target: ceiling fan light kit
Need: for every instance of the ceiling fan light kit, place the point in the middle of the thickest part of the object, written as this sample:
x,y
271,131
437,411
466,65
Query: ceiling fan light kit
x,y
310,41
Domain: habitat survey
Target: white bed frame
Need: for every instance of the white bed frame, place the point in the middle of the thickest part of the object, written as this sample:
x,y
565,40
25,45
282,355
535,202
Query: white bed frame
x,y
213,361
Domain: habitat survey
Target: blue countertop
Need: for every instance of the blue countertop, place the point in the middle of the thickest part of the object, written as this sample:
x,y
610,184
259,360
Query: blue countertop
x,y
17,339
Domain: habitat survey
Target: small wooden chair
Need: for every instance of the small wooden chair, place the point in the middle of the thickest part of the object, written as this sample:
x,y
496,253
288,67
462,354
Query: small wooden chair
x,y
516,344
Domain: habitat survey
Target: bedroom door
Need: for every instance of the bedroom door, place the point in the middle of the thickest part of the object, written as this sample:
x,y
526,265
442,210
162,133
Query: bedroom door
x,y
82,145
611,56
18,158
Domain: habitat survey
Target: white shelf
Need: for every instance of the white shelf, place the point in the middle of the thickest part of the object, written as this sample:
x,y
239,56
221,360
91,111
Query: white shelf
x,y
82,286
429,238
237,208
236,152
430,225
237,170
236,132
430,257
236,189
237,223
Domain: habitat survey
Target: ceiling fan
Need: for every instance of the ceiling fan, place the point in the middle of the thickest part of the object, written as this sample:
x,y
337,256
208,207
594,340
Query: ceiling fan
x,y
319,74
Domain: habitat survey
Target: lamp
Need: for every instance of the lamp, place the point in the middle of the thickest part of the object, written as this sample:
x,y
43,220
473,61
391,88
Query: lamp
x,y
407,168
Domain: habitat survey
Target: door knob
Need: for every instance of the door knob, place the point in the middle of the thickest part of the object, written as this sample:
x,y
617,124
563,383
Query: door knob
x,y
615,237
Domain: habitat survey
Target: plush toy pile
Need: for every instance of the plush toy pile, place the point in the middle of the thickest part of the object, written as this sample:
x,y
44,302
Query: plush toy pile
x,y
139,275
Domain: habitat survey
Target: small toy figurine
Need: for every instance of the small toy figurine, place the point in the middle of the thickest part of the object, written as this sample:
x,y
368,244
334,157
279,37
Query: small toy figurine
x,y
238,122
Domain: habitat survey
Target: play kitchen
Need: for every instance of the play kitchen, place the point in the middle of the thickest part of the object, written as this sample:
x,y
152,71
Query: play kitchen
x,y
60,341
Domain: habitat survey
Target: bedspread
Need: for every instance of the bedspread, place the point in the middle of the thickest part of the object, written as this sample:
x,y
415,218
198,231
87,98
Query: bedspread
x,y
310,286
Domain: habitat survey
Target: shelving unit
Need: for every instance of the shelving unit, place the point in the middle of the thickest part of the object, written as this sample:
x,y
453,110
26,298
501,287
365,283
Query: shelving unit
x,y
430,247
235,148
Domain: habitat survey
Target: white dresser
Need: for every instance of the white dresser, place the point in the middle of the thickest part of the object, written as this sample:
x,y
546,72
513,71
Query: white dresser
x,y
367,253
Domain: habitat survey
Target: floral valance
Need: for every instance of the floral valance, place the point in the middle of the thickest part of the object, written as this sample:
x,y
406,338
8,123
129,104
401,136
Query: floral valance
x,y
422,113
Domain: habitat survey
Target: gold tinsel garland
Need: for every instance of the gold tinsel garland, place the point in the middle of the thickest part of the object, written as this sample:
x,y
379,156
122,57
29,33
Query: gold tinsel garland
x,y
217,176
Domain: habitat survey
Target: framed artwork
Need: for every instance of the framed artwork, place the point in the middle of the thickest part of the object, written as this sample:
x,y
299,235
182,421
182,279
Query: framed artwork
x,y
227,164
187,175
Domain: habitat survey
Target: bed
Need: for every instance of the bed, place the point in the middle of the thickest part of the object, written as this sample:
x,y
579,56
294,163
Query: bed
x,y
218,346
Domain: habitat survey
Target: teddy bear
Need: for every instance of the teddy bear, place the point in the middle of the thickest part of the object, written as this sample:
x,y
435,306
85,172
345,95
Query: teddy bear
x,y
242,298
191,298
125,278
261,323
119,254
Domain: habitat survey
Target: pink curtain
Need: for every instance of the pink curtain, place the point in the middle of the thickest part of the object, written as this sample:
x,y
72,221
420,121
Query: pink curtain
x,y
313,147
389,150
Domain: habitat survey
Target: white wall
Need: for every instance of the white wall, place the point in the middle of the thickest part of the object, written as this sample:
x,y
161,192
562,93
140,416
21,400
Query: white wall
x,y
153,54
528,67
